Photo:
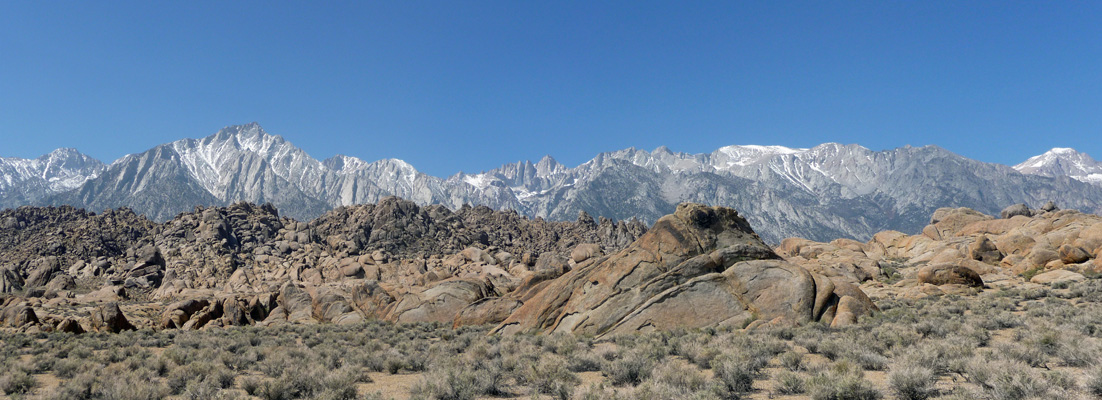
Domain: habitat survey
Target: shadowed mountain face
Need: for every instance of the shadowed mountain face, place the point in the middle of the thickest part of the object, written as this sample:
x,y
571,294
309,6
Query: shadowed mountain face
x,y
820,193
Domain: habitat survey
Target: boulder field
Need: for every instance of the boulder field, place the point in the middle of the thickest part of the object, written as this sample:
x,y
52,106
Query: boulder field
x,y
962,250
70,270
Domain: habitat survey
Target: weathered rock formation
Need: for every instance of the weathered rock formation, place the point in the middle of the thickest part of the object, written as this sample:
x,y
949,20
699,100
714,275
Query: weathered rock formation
x,y
244,264
701,266
962,249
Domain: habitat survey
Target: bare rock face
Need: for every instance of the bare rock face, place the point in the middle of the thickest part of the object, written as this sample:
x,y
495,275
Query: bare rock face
x,y
701,266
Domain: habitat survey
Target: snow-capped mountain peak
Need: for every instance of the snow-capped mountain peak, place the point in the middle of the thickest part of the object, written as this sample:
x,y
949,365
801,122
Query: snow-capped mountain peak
x,y
1063,161
743,155
59,170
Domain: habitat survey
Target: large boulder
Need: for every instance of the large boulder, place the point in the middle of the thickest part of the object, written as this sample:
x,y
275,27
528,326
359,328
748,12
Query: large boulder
x,y
1016,210
440,302
177,314
297,302
1070,254
701,266
585,251
948,222
372,300
18,315
983,249
1057,277
949,274
109,318
10,281
489,310
42,271
148,270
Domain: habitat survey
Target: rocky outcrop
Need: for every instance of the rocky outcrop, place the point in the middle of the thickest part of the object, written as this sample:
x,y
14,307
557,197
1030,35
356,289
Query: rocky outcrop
x,y
109,318
962,250
244,264
18,315
701,266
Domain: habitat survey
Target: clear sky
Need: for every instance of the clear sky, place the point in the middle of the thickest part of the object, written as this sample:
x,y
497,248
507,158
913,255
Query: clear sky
x,y
452,86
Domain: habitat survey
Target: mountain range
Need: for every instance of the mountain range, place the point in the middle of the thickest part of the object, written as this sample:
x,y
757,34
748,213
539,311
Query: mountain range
x,y
821,193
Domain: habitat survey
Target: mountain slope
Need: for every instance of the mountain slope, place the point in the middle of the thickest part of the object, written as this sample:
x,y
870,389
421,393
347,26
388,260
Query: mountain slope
x,y
828,191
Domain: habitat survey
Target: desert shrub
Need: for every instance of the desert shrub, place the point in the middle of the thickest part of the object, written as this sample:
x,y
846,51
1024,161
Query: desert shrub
x,y
550,375
180,378
1032,356
251,384
809,340
119,384
461,379
197,389
843,380
679,377
16,381
1007,379
832,349
631,368
789,383
562,344
893,335
792,360
940,355
1060,380
1092,383
1077,350
697,352
79,387
1004,320
912,382
583,361
868,359
736,370
68,367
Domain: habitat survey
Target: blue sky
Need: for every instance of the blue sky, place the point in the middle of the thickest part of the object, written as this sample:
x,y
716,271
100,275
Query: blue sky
x,y
452,86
